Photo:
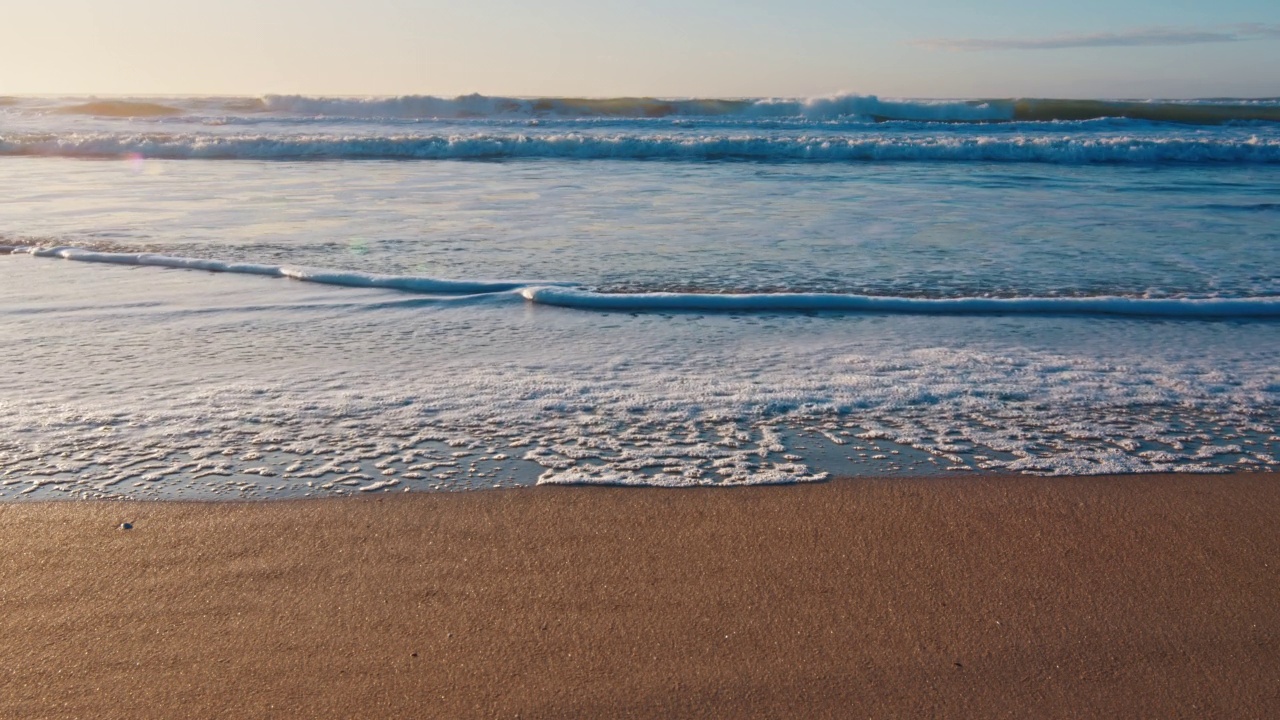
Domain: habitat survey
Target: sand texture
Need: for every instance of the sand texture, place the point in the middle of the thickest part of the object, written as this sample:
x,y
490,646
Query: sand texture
x,y
957,597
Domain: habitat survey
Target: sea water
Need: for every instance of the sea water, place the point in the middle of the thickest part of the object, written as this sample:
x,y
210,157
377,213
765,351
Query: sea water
x,y
284,296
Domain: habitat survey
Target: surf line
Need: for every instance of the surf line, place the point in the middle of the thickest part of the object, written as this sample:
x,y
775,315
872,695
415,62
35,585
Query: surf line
x,y
574,296
1191,308
343,278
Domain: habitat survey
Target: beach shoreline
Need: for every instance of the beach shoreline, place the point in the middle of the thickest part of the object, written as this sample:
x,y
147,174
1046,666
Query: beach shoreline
x,y
1141,596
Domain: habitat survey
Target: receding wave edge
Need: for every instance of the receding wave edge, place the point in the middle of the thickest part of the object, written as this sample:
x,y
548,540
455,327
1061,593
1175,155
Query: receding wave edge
x,y
567,295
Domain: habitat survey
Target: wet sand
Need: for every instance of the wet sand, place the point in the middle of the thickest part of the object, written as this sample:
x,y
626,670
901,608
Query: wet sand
x,y
1150,596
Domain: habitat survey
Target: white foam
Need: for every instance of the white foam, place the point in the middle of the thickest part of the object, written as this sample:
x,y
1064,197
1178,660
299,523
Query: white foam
x,y
345,399
567,296
1080,148
827,302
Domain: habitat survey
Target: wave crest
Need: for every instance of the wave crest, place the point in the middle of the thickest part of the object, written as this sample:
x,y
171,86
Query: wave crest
x,y
839,106
483,106
834,302
827,107
121,108
1071,149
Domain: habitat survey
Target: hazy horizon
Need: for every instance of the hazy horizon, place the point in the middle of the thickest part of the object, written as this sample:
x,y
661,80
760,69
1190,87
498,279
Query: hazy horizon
x,y
842,93
573,48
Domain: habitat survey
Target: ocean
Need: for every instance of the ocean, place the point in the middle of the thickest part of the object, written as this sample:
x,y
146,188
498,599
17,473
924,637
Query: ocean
x,y
291,296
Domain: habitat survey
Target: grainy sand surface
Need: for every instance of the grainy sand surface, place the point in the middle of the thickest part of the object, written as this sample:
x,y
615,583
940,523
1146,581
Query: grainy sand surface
x,y
1149,596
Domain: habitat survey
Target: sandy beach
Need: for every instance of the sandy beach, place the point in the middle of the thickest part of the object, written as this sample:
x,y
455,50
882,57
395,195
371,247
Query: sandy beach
x,y
1143,596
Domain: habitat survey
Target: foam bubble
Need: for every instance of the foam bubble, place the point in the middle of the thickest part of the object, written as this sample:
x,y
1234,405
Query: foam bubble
x,y
265,397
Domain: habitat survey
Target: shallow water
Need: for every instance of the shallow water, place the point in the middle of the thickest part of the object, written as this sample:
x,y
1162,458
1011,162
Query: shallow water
x,y
148,381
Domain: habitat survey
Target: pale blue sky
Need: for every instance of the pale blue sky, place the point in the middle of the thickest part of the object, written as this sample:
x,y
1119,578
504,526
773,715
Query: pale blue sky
x,y
921,48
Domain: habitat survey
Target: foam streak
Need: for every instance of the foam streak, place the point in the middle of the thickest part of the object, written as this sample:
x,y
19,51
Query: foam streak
x,y
1056,149
566,295
344,278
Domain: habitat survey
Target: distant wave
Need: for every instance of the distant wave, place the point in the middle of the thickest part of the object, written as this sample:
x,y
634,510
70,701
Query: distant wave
x,y
121,108
825,107
569,296
482,106
829,107
1186,113
1070,149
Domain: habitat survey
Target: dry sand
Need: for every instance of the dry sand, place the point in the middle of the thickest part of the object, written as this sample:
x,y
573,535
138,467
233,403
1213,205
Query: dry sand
x,y
974,597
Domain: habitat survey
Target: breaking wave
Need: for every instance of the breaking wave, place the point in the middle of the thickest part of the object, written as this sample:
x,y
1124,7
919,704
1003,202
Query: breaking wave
x,y
828,107
869,107
482,106
1068,149
121,108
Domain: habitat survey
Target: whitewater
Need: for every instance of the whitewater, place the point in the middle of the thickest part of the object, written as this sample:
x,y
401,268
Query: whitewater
x,y
841,128
288,296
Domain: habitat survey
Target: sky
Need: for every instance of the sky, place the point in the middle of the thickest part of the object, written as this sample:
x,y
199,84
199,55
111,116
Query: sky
x,y
663,48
